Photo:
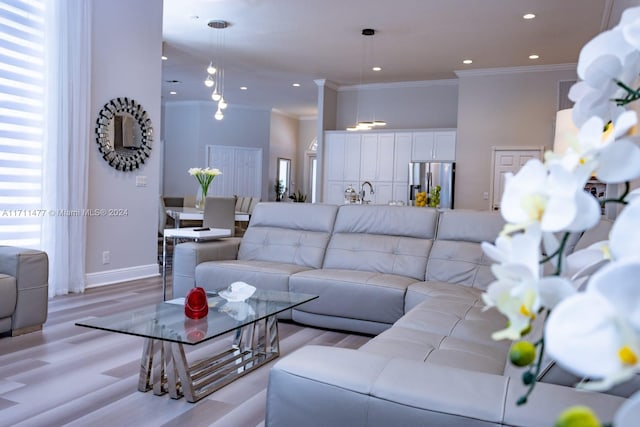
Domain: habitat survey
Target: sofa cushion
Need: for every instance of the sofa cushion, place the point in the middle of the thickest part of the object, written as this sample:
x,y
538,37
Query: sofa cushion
x,y
419,291
8,295
213,275
383,239
288,233
456,256
353,294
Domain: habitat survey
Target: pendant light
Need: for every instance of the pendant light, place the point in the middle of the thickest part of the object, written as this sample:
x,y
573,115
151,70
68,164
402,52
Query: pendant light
x,y
215,70
365,124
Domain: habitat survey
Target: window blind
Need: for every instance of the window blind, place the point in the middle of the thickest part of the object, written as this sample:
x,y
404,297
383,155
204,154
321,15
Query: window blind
x,y
22,123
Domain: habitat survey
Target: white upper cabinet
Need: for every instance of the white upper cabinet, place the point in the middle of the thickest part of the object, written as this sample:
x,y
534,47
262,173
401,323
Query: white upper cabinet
x,y
376,154
342,157
402,156
444,145
352,158
431,146
334,156
422,149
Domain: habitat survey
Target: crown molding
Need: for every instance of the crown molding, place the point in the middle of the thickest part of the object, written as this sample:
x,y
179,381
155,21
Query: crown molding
x,y
515,70
399,85
327,83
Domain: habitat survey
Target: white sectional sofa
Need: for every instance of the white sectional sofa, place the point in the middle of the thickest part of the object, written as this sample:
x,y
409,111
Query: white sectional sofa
x,y
413,277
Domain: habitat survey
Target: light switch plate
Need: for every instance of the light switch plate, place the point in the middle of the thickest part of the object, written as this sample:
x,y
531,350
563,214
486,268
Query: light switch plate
x,y
141,181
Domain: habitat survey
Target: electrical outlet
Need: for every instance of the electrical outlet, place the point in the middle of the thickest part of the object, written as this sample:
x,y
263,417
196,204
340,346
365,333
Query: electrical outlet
x,y
106,257
485,195
141,181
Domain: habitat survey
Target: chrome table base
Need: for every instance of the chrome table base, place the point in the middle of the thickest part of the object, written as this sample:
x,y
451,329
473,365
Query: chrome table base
x,y
165,369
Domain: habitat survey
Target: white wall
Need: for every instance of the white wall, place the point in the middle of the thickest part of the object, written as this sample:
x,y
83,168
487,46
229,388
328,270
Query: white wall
x,y
189,127
283,143
127,45
506,108
411,105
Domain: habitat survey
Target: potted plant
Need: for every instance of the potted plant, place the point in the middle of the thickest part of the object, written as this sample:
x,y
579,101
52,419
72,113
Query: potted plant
x,y
279,189
298,197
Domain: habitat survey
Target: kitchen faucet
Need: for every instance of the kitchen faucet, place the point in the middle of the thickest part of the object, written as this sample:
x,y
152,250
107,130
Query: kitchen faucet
x,y
362,190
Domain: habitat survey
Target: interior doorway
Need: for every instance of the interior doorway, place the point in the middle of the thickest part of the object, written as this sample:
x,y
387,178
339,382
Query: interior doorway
x,y
508,160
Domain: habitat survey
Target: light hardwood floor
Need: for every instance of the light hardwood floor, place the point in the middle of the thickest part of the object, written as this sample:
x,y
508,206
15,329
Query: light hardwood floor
x,y
70,375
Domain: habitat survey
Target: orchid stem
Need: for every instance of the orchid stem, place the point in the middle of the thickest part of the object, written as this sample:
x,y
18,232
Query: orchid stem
x,y
533,375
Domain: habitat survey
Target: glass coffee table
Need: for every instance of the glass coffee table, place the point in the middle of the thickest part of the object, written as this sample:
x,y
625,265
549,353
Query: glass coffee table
x,y
165,329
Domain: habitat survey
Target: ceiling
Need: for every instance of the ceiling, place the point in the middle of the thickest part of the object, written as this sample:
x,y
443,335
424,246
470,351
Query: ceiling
x,y
271,44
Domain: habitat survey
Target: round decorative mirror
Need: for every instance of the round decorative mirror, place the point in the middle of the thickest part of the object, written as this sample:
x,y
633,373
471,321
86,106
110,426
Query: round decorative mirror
x,y
124,134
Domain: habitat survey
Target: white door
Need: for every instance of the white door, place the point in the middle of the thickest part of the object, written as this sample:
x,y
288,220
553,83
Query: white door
x,y
509,160
241,171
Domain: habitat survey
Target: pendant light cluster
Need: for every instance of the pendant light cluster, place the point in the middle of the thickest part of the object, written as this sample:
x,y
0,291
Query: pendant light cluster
x,y
215,71
365,125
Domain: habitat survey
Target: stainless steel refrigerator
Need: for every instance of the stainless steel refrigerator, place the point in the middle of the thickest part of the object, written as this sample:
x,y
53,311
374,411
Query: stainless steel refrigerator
x,y
424,176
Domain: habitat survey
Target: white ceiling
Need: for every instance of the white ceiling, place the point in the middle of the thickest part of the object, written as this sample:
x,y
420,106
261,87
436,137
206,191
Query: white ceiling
x,y
272,44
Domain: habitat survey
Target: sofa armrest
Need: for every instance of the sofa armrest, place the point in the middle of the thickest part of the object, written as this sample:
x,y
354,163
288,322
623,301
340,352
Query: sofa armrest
x,y
317,386
186,256
31,270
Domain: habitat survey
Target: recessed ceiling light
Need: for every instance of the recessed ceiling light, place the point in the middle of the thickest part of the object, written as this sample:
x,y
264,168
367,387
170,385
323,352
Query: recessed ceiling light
x,y
534,56
164,58
528,16
376,68
467,61
173,92
243,88
296,85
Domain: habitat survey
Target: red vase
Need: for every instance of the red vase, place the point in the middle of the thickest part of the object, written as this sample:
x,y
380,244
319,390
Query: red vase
x,y
195,329
196,305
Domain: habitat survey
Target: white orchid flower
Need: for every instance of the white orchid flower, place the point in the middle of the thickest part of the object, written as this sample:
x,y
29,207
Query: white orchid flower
x,y
624,236
624,241
591,102
607,59
595,334
553,197
613,157
519,292
630,25
521,248
629,412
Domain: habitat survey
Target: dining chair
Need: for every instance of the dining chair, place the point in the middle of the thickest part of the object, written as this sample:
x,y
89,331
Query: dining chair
x,y
162,224
220,212
189,201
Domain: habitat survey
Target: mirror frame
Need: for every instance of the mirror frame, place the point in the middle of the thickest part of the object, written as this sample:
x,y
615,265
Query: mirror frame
x,y
120,160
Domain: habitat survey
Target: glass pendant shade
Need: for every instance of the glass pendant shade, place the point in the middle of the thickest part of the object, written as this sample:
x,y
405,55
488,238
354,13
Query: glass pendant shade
x,y
215,95
218,115
222,104
209,82
211,69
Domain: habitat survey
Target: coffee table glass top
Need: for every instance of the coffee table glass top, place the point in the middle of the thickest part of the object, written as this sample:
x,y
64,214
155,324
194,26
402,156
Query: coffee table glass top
x,y
166,321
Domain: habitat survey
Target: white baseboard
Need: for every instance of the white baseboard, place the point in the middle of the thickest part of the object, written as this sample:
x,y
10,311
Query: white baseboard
x,y
110,277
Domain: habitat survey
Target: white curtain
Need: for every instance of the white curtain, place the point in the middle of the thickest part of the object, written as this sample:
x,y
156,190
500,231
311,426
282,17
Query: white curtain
x,y
66,147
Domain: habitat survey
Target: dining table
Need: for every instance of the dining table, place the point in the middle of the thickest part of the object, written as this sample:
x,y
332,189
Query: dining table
x,y
181,213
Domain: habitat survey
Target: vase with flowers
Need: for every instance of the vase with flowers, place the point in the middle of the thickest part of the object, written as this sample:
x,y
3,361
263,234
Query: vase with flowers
x,y
590,303
205,178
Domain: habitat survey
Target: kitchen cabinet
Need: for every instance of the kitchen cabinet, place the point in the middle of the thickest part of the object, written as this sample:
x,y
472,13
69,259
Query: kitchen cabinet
x,y
434,146
402,156
382,158
376,151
